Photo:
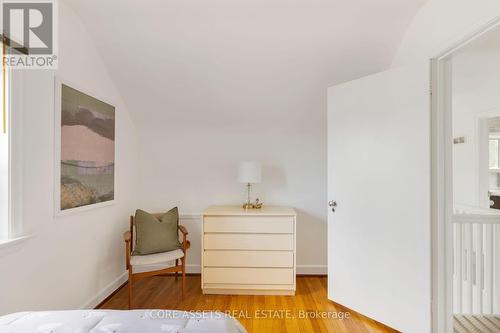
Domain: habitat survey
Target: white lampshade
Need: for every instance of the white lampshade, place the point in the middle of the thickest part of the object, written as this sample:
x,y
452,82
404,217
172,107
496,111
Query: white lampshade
x,y
249,172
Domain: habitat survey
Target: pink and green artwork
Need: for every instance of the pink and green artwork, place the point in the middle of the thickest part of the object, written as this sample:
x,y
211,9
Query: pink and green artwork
x,y
87,149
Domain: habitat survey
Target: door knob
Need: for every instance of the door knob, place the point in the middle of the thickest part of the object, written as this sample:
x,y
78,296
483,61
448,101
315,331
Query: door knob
x,y
333,205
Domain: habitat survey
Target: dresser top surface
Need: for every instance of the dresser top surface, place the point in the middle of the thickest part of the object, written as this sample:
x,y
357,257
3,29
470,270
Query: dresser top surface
x,y
240,211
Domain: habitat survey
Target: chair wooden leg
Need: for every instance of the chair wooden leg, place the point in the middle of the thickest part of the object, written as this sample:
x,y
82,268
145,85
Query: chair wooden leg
x,y
183,276
130,287
176,272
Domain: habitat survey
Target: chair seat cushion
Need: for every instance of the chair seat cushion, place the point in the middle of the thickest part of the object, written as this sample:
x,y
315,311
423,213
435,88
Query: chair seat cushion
x,y
156,258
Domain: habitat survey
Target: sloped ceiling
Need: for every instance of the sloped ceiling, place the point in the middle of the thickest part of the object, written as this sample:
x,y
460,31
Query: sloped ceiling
x,y
196,61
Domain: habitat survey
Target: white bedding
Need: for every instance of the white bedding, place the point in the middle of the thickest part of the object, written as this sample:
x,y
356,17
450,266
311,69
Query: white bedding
x,y
115,321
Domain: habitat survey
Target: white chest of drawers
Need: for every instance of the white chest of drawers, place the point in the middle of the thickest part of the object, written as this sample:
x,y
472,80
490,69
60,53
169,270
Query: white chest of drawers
x,y
248,251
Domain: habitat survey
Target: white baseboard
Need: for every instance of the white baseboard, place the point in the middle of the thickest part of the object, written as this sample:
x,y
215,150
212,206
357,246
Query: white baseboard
x,y
301,269
108,290
312,269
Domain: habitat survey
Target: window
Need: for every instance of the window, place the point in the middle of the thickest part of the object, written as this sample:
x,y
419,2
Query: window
x,y
4,153
494,151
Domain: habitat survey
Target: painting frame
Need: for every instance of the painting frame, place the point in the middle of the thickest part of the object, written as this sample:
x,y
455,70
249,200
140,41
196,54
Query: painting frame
x,y
58,86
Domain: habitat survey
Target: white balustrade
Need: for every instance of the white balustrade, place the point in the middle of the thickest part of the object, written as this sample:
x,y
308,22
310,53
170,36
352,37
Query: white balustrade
x,y
476,265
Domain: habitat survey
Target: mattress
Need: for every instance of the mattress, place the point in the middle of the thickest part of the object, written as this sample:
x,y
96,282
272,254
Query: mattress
x,y
116,321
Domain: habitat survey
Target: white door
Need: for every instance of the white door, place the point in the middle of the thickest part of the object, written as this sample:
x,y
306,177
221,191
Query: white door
x,y
379,245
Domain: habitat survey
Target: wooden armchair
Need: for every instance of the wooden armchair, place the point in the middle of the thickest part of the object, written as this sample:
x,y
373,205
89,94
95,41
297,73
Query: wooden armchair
x,y
154,264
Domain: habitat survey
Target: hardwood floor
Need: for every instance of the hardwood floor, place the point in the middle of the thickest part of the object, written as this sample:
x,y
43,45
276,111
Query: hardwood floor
x,y
163,292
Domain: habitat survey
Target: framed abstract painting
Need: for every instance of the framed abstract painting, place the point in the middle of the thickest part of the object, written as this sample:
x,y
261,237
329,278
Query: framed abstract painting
x,y
85,129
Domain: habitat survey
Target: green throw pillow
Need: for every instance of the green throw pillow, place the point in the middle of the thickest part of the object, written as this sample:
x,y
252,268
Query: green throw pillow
x,y
155,235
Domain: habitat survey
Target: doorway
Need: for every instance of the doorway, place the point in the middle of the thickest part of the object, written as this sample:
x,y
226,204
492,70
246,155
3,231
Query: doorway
x,y
466,177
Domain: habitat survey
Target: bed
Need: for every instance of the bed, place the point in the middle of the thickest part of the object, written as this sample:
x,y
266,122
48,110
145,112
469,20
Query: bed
x,y
117,321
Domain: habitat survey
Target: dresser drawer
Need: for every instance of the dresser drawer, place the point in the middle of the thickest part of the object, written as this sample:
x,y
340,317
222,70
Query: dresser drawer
x,y
250,224
215,258
267,276
248,242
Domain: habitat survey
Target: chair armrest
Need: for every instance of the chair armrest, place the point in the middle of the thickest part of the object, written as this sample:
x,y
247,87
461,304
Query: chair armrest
x,y
185,243
183,229
127,237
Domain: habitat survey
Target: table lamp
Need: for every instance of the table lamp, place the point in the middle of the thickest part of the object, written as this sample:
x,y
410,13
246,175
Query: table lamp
x,y
249,173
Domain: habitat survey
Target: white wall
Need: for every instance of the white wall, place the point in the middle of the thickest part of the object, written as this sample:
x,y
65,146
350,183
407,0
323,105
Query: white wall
x,y
4,179
440,23
475,85
71,259
194,165
437,26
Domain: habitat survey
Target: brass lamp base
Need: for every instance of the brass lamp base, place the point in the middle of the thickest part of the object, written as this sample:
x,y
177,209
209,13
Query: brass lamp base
x,y
256,205
250,205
